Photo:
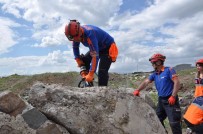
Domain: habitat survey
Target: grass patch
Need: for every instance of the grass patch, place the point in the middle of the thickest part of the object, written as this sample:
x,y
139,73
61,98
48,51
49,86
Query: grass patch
x,y
17,83
154,97
8,83
187,72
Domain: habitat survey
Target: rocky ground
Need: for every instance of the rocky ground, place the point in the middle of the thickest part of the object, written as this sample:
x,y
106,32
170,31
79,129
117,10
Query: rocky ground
x,y
21,84
56,109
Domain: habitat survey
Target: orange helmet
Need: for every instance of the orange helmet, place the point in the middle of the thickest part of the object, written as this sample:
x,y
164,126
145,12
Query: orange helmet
x,y
200,61
72,30
157,57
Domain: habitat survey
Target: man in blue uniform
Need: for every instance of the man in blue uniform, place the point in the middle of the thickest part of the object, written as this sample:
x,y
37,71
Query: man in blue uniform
x,y
101,47
167,85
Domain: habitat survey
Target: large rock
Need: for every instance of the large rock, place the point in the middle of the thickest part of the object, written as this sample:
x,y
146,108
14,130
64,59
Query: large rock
x,y
18,117
95,110
12,125
11,103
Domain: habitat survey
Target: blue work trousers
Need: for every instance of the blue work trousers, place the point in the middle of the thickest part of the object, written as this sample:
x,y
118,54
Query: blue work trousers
x,y
173,112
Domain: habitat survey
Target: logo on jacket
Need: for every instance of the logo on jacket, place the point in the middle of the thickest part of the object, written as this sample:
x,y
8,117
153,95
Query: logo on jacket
x,y
163,77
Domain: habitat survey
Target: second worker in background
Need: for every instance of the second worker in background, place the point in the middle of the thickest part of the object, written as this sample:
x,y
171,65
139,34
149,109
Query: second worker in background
x,y
167,85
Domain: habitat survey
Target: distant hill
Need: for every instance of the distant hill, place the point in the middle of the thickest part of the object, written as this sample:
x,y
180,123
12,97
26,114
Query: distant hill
x,y
19,83
183,67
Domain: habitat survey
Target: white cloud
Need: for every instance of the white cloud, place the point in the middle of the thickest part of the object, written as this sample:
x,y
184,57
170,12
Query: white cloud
x,y
51,37
48,41
54,58
11,8
50,14
174,28
7,35
50,17
56,61
175,25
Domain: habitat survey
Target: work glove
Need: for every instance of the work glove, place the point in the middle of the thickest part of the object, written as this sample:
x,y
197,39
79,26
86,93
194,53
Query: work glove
x,y
172,100
90,76
83,73
79,62
136,93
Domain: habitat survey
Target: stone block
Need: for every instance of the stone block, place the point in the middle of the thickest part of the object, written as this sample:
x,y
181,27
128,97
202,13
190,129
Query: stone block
x,y
11,103
34,118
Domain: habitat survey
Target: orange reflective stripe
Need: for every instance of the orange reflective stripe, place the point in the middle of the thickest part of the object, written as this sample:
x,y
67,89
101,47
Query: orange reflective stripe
x,y
90,44
198,90
89,41
194,114
94,60
93,54
113,52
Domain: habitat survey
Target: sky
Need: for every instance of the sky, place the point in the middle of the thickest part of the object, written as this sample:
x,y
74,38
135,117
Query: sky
x,y
32,39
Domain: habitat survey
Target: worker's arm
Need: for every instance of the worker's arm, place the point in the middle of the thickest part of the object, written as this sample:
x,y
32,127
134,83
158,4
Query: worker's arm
x,y
94,53
176,86
175,80
141,87
144,84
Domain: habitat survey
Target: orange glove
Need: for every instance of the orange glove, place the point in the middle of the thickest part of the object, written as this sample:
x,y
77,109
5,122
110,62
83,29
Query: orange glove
x,y
90,76
172,100
79,62
83,73
136,93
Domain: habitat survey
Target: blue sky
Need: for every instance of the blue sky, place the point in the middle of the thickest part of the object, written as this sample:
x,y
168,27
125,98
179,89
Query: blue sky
x,y
32,37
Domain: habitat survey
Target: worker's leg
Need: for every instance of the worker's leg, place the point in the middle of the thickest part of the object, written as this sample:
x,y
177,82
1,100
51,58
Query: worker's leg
x,y
104,65
160,111
174,116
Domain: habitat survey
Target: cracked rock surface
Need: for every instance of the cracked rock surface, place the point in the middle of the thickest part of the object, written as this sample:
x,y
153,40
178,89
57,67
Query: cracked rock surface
x,y
95,110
